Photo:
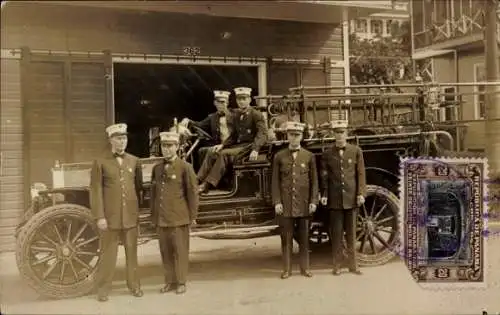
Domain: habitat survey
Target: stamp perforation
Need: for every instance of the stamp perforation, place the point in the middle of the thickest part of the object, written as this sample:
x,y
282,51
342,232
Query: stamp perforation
x,y
409,226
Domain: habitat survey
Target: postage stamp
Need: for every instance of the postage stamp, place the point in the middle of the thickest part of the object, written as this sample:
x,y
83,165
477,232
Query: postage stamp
x,y
444,206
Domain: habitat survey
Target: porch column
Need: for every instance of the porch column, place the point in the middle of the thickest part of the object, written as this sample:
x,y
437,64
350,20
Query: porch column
x,y
492,126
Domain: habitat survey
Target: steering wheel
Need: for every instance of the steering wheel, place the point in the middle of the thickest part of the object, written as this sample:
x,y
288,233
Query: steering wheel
x,y
201,133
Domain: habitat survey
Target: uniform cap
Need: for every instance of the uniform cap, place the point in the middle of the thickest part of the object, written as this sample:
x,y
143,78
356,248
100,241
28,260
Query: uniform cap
x,y
116,130
221,94
243,91
294,126
168,136
339,124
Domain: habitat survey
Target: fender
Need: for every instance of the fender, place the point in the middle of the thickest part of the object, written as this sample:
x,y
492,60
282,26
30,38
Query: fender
x,y
383,171
384,174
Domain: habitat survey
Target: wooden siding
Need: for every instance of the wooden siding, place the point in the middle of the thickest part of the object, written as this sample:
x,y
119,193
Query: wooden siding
x,y
66,102
42,26
88,110
11,143
475,136
284,76
46,118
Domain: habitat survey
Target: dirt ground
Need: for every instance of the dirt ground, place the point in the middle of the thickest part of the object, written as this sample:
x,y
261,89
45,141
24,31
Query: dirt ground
x,y
242,277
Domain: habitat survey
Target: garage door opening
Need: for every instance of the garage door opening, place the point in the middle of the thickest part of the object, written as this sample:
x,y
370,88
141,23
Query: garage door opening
x,y
150,96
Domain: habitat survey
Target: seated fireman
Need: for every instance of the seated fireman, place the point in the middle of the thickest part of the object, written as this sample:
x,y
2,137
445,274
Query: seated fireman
x,y
219,125
250,135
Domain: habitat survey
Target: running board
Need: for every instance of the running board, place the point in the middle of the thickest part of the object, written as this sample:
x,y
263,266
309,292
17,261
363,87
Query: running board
x,y
236,233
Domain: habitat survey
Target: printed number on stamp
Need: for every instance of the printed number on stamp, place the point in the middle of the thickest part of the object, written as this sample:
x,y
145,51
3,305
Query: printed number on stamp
x,y
448,250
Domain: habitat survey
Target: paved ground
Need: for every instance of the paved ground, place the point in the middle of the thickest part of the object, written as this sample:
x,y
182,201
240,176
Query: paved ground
x,y
242,277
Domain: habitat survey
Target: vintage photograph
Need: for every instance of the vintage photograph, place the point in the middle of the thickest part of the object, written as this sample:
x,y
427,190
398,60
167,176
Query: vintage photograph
x,y
250,157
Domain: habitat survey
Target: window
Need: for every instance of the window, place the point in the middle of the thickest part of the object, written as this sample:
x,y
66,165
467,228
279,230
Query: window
x,y
451,108
376,27
479,99
361,26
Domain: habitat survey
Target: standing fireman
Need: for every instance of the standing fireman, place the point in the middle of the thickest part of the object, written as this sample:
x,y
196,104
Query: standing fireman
x,y
116,181
343,187
174,206
295,196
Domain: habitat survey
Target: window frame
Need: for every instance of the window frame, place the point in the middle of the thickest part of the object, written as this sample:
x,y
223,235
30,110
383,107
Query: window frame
x,y
477,104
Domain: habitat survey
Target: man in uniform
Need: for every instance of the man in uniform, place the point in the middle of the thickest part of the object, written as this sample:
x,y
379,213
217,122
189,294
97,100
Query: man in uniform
x,y
219,125
116,180
343,187
295,196
174,206
250,135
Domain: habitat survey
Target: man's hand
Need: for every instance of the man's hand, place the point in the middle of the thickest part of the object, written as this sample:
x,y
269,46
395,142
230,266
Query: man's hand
x,y
323,201
102,224
253,155
360,200
278,209
193,222
216,148
312,208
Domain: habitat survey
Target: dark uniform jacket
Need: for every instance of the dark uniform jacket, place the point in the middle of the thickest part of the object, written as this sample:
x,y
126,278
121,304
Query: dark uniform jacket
x,y
295,182
250,127
211,124
115,190
174,194
343,178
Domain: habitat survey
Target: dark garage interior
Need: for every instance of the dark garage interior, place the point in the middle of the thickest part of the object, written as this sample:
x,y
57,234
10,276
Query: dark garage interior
x,y
152,95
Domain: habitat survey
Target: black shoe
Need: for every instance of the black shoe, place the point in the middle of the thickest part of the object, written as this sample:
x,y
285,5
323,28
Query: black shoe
x,y
336,271
355,271
306,273
102,298
286,274
168,287
181,289
137,293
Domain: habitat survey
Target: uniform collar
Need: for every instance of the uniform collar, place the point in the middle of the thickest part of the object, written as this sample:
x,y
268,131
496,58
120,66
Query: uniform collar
x,y
245,111
221,114
116,154
171,161
294,149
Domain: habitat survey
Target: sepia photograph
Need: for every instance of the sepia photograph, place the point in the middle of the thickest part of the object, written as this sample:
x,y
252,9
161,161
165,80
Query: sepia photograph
x,y
250,157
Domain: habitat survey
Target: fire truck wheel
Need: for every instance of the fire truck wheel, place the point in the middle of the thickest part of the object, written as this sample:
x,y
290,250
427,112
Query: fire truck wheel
x,y
58,251
377,227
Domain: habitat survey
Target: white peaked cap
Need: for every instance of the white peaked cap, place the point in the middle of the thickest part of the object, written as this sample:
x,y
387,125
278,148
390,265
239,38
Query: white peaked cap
x,y
294,126
243,91
222,94
168,136
339,124
116,130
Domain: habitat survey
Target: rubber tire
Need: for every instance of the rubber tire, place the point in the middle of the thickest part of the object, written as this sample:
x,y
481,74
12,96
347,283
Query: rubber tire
x,y
365,260
44,289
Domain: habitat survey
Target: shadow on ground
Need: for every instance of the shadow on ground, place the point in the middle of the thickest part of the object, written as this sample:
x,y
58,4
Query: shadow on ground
x,y
220,264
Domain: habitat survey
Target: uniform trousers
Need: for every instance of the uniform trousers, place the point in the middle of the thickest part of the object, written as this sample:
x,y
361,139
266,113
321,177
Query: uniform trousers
x,y
287,228
174,249
207,160
225,158
110,241
343,220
